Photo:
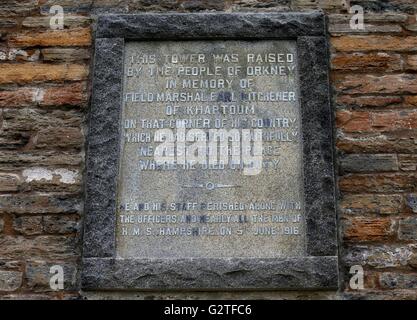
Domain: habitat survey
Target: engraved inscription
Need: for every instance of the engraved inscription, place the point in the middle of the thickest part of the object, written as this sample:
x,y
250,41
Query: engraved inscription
x,y
224,117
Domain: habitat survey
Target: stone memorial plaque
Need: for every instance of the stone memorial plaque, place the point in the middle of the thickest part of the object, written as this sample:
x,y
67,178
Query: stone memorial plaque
x,y
211,209
210,154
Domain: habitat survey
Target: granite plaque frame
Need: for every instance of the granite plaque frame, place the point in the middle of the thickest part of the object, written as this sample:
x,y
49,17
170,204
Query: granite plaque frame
x,y
101,269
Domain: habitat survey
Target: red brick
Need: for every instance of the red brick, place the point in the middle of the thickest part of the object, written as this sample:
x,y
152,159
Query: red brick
x,y
366,121
412,62
72,95
410,101
361,62
368,101
353,121
387,84
63,38
371,203
368,43
32,73
22,97
382,183
366,229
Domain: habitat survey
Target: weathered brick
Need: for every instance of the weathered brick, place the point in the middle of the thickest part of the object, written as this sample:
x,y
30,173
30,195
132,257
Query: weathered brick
x,y
399,294
41,204
60,224
371,203
67,95
84,6
362,62
42,247
381,182
386,84
411,202
10,160
386,17
52,180
391,280
31,297
7,23
412,62
410,101
366,121
9,182
11,264
15,120
199,5
413,261
369,162
408,229
411,27
402,141
260,5
365,229
28,226
348,101
353,121
58,138
32,73
344,28
12,54
21,97
38,275
406,6
10,280
13,140
17,7
71,95
380,257
20,126
64,38
65,54
372,43
147,5
322,4
408,162
70,21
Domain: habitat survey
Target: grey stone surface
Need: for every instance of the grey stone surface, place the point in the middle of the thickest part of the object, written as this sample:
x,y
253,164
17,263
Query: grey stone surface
x,y
198,274
103,149
212,295
99,242
274,186
319,183
211,25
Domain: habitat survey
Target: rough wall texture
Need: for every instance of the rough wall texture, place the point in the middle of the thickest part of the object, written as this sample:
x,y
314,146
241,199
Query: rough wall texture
x,y
44,101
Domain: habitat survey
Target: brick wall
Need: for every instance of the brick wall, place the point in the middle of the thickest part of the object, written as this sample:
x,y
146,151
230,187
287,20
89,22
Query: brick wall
x,y
44,100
